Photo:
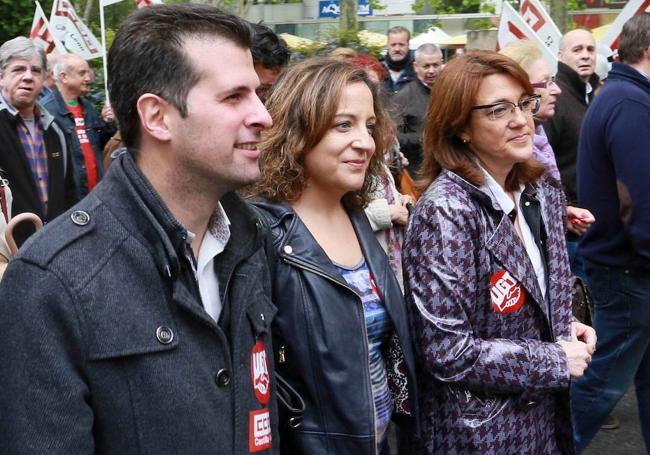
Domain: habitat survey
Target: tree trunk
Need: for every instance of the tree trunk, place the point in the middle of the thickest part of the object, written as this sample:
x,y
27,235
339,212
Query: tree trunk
x,y
348,16
88,10
560,14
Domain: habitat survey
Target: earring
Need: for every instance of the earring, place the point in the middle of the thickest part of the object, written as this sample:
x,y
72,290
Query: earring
x,y
465,140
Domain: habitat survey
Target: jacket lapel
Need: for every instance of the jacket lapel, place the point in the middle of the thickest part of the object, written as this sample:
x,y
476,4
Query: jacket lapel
x,y
505,246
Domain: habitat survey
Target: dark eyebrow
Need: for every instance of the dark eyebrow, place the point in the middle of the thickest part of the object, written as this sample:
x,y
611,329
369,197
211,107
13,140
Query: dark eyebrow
x,y
233,90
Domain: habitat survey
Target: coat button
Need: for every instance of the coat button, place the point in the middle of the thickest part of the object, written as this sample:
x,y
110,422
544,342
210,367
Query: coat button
x,y
164,335
80,218
223,377
288,249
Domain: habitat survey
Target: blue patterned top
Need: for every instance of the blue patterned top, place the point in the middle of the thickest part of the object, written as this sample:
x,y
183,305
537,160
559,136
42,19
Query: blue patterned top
x,y
379,329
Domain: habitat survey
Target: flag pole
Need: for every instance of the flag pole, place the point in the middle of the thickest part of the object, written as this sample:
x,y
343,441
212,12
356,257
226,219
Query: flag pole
x,y
104,58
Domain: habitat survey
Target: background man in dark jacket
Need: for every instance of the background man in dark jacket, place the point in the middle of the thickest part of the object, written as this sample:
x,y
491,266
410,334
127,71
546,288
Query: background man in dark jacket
x,y
614,184
575,76
398,61
412,101
87,131
140,323
34,155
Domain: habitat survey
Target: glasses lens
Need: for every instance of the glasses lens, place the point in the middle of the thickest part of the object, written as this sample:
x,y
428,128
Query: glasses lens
x,y
500,110
529,105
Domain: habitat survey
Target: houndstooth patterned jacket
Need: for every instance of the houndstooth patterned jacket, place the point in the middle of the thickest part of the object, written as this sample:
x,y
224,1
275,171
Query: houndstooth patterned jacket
x,y
492,378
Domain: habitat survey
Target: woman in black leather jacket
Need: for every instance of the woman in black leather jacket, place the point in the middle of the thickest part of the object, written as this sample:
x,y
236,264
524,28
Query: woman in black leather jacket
x,y
341,335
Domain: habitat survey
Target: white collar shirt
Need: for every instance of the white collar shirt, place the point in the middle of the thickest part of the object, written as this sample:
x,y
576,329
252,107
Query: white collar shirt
x,y
507,205
214,242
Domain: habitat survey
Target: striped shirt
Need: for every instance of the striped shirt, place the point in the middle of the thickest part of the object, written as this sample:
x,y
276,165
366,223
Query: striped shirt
x,y
379,329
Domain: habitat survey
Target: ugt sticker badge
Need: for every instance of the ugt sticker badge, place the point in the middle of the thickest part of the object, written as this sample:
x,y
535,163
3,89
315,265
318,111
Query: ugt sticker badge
x,y
507,294
260,435
260,373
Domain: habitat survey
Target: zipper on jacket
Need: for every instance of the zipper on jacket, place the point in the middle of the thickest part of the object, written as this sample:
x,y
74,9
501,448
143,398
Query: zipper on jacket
x,y
314,270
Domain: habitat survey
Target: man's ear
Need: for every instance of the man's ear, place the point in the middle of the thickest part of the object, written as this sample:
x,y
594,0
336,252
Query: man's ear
x,y
153,111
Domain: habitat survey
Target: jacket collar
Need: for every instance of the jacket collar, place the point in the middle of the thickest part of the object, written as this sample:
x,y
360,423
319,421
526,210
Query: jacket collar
x,y
46,117
59,103
299,246
621,71
158,227
512,255
573,81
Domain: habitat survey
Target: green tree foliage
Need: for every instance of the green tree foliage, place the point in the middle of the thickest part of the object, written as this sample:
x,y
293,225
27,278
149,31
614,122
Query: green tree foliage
x,y
447,6
16,17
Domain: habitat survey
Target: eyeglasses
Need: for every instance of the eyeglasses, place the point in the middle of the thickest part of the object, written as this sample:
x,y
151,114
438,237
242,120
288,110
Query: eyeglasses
x,y
544,84
506,109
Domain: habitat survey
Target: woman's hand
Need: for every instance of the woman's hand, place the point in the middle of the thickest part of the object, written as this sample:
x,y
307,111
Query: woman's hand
x,y
579,349
399,214
578,355
584,333
406,199
578,220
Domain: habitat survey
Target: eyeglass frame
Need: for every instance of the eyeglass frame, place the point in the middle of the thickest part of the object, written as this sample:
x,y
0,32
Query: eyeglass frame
x,y
535,110
544,84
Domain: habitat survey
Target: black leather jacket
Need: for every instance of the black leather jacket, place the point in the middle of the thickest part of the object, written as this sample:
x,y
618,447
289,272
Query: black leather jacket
x,y
320,337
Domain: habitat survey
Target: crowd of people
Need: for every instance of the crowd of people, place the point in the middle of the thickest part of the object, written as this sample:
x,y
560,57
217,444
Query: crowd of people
x,y
337,256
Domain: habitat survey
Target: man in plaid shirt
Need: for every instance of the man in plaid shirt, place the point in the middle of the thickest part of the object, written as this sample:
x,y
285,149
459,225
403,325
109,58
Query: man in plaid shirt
x,y
34,153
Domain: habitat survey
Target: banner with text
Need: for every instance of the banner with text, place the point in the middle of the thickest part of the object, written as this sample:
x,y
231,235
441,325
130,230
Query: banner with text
x,y
73,33
512,27
332,8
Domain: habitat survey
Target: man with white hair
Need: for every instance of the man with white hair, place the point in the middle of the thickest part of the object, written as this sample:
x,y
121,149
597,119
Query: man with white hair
x,y
411,103
34,157
87,131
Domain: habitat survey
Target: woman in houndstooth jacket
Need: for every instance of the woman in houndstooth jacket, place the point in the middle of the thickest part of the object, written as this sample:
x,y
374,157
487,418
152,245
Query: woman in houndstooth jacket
x,y
487,275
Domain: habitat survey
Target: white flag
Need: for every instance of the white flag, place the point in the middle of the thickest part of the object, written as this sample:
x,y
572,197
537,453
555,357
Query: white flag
x,y
535,15
41,35
512,27
633,8
143,3
74,34
104,3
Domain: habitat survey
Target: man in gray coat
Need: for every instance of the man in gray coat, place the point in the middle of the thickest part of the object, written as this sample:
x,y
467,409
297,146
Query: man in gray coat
x,y
139,321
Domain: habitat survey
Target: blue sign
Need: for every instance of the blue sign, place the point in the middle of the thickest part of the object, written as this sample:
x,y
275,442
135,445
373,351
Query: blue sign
x,y
332,8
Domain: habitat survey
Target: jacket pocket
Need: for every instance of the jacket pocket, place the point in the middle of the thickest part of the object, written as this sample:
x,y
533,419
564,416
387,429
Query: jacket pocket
x,y
127,321
477,408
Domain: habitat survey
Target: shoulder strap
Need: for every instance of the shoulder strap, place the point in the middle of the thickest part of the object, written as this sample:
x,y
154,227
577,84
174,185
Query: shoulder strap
x,y
3,200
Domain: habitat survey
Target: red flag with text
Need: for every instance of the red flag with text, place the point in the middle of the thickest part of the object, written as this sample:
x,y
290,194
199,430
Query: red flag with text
x,y
512,27
73,33
41,34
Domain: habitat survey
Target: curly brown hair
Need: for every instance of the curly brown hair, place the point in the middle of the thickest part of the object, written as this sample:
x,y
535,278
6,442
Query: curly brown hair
x,y
452,98
303,105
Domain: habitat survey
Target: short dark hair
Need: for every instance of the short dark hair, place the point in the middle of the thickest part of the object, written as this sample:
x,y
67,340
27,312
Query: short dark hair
x,y
147,56
268,48
635,38
399,29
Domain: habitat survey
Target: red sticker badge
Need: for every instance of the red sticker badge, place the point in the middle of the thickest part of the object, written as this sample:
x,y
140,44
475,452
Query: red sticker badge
x,y
507,294
260,373
260,436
